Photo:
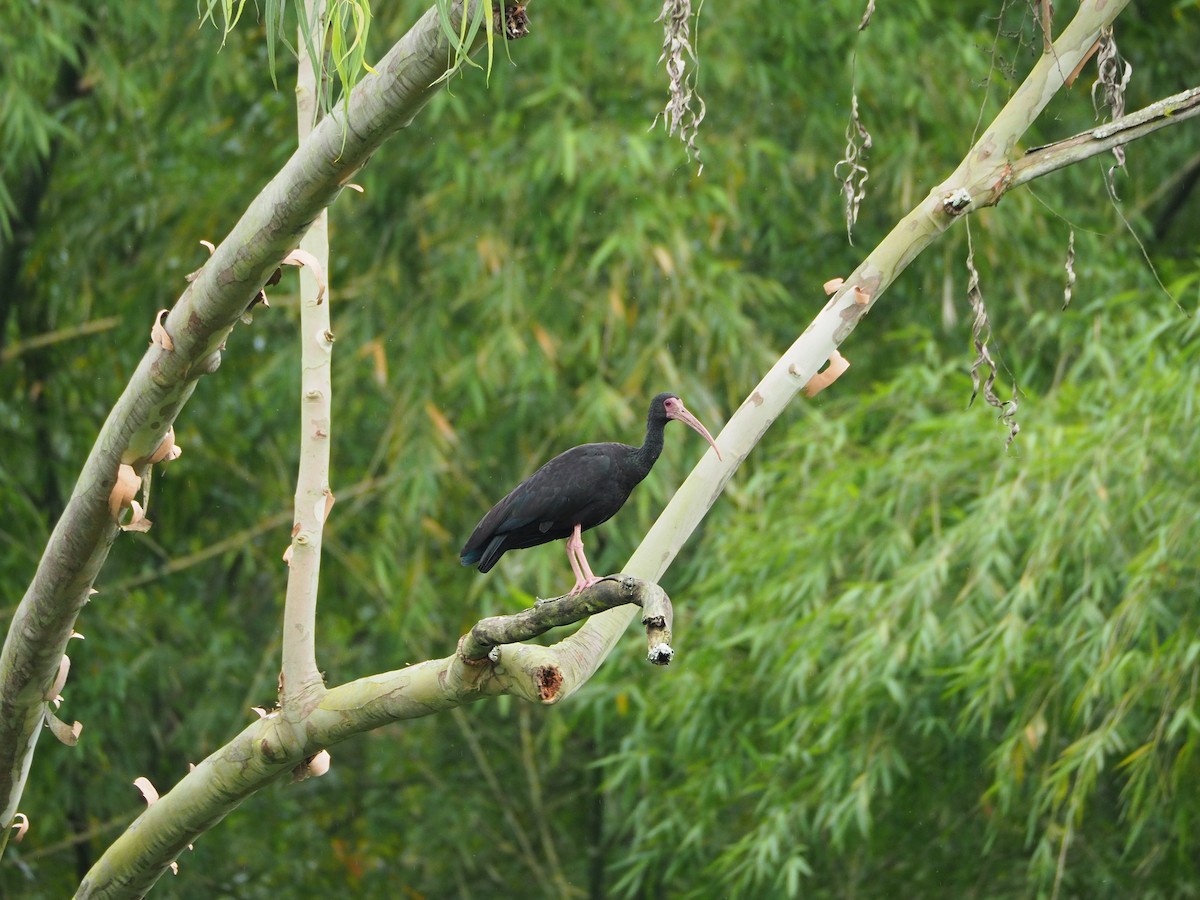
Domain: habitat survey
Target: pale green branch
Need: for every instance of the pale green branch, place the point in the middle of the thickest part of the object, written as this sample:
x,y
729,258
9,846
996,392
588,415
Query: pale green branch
x,y
198,325
984,171
300,676
1043,160
285,739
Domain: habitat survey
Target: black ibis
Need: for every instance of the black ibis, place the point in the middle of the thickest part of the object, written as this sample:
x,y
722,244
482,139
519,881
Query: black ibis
x,y
575,491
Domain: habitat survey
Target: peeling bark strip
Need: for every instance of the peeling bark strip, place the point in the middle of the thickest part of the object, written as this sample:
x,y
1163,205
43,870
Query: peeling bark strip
x,y
850,169
198,325
680,114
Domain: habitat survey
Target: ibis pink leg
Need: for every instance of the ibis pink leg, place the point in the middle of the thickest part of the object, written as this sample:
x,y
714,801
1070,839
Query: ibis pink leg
x,y
579,579
579,564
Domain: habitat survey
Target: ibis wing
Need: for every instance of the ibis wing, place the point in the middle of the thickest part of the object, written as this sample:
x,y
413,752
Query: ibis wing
x,y
543,507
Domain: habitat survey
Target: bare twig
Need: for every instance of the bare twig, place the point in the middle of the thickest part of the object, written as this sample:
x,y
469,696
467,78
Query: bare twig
x,y
1039,161
11,352
1043,160
491,633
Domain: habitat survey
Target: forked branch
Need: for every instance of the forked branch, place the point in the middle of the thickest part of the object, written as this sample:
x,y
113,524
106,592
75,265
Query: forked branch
x,y
197,327
285,740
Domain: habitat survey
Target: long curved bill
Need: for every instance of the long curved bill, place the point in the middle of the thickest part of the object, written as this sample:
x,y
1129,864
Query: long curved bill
x,y
692,422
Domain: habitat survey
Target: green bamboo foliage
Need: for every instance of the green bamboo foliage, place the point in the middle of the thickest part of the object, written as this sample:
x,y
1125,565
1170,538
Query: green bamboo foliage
x,y
970,654
909,661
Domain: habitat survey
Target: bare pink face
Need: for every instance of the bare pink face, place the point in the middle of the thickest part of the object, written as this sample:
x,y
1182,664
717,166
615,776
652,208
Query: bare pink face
x,y
676,410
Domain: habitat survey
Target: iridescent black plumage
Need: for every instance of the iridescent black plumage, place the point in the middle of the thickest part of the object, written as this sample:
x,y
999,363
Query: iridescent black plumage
x,y
578,489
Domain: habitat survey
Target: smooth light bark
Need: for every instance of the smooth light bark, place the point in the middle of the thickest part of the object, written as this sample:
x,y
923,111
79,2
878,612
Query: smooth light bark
x,y
984,174
285,739
198,325
300,676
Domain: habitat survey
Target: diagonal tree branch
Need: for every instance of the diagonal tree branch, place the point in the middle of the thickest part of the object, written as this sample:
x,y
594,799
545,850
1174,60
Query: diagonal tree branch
x,y
1041,161
197,327
980,179
277,744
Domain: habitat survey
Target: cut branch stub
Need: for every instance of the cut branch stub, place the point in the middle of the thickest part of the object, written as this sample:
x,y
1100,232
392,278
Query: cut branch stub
x,y
955,203
609,592
300,257
657,616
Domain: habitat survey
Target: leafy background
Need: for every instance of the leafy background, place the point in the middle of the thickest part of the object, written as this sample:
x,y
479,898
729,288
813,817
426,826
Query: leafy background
x,y
909,660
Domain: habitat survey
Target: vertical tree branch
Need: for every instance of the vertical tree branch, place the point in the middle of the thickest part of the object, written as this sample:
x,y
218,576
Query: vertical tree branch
x,y
313,496
382,103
